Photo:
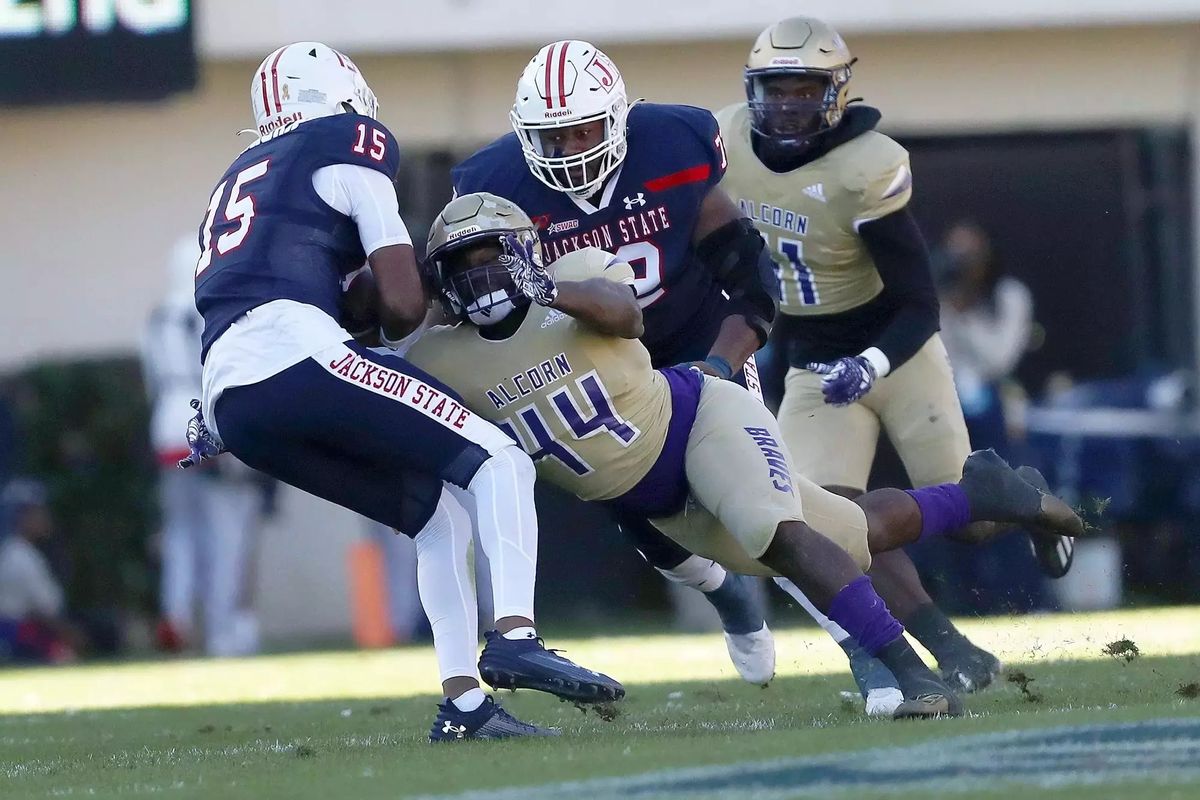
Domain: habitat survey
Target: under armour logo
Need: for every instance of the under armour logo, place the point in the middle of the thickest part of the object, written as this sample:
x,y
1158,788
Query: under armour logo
x,y
458,730
637,200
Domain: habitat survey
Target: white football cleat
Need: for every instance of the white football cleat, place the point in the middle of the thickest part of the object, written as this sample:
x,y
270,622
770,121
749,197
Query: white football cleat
x,y
753,655
883,702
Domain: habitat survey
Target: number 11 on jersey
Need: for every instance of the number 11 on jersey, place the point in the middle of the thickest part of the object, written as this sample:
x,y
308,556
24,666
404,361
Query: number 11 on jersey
x,y
793,251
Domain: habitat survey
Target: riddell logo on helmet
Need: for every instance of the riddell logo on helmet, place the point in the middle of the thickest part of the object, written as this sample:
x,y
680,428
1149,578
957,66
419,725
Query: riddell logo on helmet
x,y
566,112
789,61
279,122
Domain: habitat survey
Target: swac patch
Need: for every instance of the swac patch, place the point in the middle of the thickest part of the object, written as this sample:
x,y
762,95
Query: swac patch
x,y
1163,753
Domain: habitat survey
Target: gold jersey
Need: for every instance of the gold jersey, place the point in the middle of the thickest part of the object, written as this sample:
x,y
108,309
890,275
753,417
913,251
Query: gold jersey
x,y
810,215
588,407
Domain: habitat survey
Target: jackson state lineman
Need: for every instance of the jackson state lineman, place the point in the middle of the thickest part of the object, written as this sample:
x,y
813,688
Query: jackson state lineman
x,y
860,316
287,391
641,181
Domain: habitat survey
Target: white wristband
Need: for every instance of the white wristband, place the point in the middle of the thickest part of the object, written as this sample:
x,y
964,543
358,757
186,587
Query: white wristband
x,y
878,360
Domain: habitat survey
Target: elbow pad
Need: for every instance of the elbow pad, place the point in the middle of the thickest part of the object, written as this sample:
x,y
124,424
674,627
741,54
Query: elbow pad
x,y
737,256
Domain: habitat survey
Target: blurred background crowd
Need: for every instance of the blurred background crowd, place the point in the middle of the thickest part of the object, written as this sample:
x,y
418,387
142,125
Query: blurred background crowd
x,y
1055,179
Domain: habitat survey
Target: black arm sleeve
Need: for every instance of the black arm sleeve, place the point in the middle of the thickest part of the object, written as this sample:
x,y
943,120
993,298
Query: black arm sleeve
x,y
737,256
902,258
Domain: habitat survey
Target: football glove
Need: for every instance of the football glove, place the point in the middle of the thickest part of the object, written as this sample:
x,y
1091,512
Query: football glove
x,y
533,280
202,442
846,380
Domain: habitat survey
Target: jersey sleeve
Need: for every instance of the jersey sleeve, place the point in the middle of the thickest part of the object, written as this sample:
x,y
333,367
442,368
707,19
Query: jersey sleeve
x,y
359,140
367,197
883,181
710,144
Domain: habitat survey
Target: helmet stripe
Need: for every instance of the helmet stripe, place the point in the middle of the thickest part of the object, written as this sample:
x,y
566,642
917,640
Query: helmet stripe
x,y
562,74
549,61
275,78
262,77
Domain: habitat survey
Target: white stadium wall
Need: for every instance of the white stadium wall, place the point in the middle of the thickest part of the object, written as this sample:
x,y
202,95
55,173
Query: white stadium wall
x,y
94,196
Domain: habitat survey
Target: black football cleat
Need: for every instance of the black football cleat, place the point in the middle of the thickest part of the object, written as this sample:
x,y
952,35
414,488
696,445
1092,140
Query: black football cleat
x,y
925,695
527,664
489,721
970,668
1054,552
997,493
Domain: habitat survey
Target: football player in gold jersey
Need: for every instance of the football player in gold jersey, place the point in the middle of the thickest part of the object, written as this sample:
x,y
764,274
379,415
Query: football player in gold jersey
x,y
552,357
859,319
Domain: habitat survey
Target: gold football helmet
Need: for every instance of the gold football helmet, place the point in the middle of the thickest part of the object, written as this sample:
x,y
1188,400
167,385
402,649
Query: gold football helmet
x,y
797,78
462,261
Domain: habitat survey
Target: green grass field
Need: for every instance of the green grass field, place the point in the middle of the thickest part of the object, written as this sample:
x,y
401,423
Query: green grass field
x,y
353,724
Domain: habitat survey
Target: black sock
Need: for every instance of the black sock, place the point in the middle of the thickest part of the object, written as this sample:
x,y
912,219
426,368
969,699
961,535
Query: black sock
x,y
933,629
913,674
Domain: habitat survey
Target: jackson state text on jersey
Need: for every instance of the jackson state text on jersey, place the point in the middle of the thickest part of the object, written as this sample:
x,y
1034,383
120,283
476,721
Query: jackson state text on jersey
x,y
647,215
267,234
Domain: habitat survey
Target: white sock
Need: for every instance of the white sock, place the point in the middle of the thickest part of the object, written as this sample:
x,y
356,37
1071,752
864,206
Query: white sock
x,y
697,572
447,593
832,628
508,529
523,632
469,700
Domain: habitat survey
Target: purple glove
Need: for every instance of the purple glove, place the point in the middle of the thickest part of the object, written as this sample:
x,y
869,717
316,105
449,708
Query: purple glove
x,y
533,280
200,439
846,380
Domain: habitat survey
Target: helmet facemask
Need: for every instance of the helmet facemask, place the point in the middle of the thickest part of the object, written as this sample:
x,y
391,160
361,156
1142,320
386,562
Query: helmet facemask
x,y
472,281
787,113
581,174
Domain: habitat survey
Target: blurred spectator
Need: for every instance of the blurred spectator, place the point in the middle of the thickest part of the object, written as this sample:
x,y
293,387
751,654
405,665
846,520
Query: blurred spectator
x,y
987,322
33,626
210,515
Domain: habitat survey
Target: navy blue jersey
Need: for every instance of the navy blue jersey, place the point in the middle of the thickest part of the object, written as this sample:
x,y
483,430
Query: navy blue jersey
x,y
646,215
268,235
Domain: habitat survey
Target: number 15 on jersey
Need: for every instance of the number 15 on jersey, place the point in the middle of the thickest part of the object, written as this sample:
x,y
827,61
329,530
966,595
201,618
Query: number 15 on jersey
x,y
239,208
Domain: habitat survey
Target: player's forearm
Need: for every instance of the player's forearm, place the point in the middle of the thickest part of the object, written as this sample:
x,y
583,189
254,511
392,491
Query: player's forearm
x,y
907,333
608,307
735,342
898,249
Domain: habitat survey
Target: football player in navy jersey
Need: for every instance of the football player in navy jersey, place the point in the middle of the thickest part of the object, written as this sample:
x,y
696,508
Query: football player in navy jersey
x,y
287,390
640,181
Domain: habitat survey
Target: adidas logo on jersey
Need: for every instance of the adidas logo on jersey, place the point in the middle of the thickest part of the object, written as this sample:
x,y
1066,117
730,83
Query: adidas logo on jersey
x,y
552,316
816,192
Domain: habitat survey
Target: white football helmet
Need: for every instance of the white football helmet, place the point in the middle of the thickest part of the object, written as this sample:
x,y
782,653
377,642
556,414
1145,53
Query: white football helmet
x,y
569,83
305,81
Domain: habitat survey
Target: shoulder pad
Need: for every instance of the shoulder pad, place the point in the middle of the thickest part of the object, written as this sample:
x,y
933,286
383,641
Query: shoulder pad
x,y
689,135
493,168
869,158
355,139
659,115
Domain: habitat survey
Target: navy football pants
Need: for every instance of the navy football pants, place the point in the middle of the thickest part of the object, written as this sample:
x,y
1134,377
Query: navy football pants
x,y
371,433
